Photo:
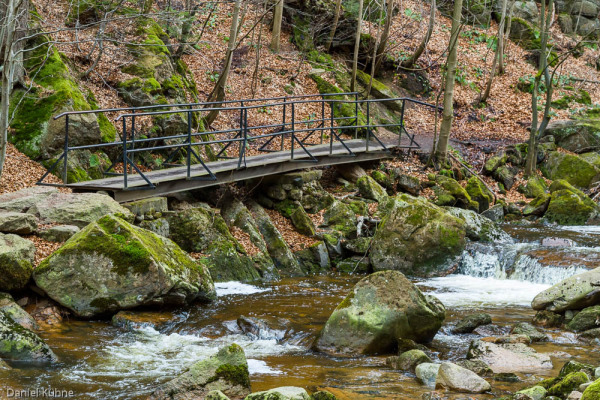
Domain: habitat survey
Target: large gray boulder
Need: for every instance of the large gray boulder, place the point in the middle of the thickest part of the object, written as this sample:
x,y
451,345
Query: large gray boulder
x,y
112,265
16,262
574,293
575,135
460,379
226,371
416,237
20,344
76,208
19,223
22,200
380,309
281,393
480,228
509,357
201,230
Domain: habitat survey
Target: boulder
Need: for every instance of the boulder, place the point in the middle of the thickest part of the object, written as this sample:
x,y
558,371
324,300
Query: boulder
x,y
592,392
226,371
237,215
576,135
112,265
59,233
477,366
427,373
452,188
570,206
495,213
407,183
19,223
314,259
340,217
416,237
470,322
302,222
370,189
16,262
460,379
160,226
534,187
509,357
567,384
77,208
408,360
573,169
280,393
533,393
524,328
506,176
216,395
479,193
16,313
548,319
574,293
538,206
201,230
20,344
480,228
575,366
150,206
22,200
588,318
136,320
278,249
495,162
381,308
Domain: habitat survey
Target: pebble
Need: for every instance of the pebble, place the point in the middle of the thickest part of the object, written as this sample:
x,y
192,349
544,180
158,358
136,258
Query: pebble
x,y
575,395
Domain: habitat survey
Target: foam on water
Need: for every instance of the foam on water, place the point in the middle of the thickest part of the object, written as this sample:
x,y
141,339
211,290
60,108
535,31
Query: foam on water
x,y
233,287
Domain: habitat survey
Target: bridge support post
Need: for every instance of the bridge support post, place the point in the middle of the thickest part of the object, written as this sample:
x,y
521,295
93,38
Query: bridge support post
x,y
66,151
124,153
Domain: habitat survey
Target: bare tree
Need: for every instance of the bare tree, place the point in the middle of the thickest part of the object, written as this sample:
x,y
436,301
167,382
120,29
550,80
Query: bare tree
x,y
385,34
356,46
448,113
336,19
408,63
14,16
277,17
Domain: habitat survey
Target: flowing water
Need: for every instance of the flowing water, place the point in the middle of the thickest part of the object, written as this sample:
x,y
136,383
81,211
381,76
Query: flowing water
x,y
99,361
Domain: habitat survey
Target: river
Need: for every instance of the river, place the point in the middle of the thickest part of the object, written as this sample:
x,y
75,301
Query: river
x,y
99,361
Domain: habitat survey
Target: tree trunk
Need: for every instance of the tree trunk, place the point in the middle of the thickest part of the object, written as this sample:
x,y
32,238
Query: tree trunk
x,y
423,45
14,16
375,50
336,19
277,16
385,35
448,113
356,46
502,43
497,55
218,93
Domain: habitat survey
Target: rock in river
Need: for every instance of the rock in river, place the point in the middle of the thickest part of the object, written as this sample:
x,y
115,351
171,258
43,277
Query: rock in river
x,y
574,293
281,393
382,308
461,379
227,371
112,265
509,357
415,237
20,344
16,261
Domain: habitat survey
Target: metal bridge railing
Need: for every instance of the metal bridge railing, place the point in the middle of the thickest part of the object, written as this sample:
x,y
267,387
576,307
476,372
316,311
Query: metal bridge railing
x,y
330,123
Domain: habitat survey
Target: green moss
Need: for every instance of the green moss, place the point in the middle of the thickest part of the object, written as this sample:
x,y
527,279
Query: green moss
x,y
107,129
236,374
286,207
568,384
592,392
479,193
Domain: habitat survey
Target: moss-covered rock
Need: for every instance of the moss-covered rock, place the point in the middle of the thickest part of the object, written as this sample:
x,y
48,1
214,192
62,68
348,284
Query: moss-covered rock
x,y
479,227
408,360
575,170
416,237
226,371
203,231
538,206
20,344
281,393
16,262
567,384
354,265
340,217
534,187
380,309
569,206
454,189
580,135
534,393
495,162
314,259
302,222
16,313
370,189
592,392
112,265
574,293
575,366
479,193
380,91
587,318
383,179
469,323
525,328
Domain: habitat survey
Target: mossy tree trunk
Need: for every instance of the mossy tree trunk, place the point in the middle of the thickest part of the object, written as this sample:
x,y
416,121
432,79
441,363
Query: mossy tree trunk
x,y
356,46
423,45
448,113
277,17
537,130
14,17
218,93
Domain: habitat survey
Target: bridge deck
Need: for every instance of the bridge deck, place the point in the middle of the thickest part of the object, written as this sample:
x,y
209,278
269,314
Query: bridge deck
x,y
174,179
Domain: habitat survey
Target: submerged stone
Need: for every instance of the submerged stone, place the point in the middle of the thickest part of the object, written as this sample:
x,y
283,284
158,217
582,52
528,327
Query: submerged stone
x,y
112,265
381,308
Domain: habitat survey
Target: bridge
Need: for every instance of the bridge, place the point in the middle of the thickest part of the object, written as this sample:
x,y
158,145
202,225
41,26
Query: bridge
x,y
300,132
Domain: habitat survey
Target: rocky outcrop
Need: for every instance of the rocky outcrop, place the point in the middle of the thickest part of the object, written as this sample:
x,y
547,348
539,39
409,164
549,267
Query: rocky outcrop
x,y
509,357
226,371
571,168
76,208
20,344
111,265
382,308
569,205
416,237
201,230
574,293
16,262
18,223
